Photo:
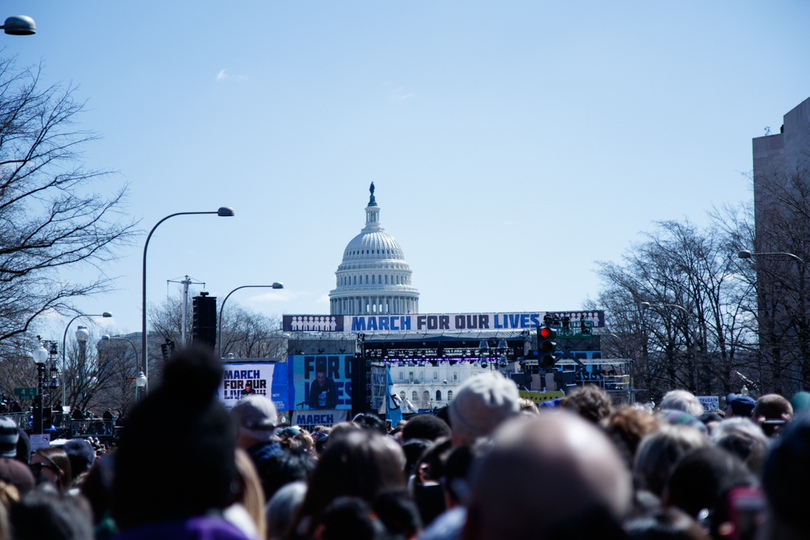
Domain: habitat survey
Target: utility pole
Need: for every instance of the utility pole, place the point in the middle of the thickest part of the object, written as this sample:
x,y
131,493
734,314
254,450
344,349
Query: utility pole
x,y
186,282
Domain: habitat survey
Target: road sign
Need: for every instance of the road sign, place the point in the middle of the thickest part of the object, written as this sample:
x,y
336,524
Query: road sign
x,y
25,393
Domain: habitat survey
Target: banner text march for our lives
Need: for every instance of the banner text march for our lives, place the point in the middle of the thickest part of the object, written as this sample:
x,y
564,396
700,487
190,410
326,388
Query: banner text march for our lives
x,y
268,379
303,372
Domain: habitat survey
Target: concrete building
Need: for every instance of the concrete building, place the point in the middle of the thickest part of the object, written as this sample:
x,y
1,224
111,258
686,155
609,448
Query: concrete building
x,y
782,246
373,277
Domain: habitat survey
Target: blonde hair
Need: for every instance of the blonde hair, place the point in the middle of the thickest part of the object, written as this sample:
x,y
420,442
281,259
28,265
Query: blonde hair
x,y
252,495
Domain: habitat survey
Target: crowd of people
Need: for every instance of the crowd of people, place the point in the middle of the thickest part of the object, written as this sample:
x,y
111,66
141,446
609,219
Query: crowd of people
x,y
490,466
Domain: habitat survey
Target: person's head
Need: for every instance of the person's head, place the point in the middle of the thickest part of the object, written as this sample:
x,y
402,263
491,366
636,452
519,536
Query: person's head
x,y
772,412
282,508
785,477
626,427
701,477
739,405
256,418
658,453
44,513
9,435
681,400
283,468
550,449
81,454
425,426
481,404
589,401
800,402
175,458
398,512
54,464
16,474
320,376
358,463
743,438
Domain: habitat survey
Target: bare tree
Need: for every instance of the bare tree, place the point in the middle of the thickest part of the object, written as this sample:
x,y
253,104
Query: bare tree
x,y
697,323
51,216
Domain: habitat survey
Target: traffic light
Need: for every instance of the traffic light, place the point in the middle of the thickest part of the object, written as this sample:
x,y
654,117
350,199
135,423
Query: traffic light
x,y
204,320
546,346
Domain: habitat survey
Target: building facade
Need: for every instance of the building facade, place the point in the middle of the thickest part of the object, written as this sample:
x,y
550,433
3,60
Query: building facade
x,y
373,277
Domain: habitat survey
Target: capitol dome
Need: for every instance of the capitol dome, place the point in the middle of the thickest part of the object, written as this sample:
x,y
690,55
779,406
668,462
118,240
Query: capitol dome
x,y
373,277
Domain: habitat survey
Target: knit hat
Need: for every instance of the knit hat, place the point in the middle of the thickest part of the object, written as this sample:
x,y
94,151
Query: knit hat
x,y
741,405
81,455
9,435
17,474
176,456
256,415
800,401
482,403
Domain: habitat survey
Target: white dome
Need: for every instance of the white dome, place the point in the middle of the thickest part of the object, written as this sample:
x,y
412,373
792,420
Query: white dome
x,y
373,277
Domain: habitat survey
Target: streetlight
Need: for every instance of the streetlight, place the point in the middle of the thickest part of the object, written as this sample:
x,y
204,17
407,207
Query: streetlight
x,y
275,285
745,254
140,380
223,211
19,25
647,305
40,357
106,315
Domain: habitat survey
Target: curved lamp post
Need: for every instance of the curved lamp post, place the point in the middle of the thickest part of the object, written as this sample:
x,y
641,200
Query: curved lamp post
x,y
223,211
745,254
106,315
275,285
19,25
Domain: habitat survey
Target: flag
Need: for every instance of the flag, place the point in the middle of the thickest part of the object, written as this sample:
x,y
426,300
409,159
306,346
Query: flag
x,y
393,412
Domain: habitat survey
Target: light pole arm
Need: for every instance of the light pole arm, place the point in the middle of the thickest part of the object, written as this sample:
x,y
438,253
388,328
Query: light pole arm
x,y
275,285
144,357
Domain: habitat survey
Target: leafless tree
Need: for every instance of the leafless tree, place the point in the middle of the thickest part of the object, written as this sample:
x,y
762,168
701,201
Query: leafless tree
x,y
695,333
53,217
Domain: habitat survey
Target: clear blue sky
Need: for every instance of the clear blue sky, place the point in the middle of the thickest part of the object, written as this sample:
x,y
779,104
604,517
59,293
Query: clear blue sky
x,y
491,130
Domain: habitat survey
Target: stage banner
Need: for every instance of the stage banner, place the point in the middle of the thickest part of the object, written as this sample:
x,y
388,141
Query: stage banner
x,y
265,378
320,381
309,419
435,322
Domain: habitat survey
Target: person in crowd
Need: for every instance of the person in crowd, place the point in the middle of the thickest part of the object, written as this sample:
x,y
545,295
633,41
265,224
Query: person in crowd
x,y
589,401
247,512
81,455
785,479
9,435
46,514
626,427
175,475
53,465
771,413
481,404
659,452
16,474
739,405
681,400
255,416
398,513
283,468
701,477
593,488
282,508
425,426
357,463
743,438
800,402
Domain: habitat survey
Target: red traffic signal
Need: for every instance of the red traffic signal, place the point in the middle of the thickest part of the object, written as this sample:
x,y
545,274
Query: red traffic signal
x,y
546,345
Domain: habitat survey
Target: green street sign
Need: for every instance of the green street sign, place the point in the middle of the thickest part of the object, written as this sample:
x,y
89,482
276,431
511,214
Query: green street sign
x,y
25,393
